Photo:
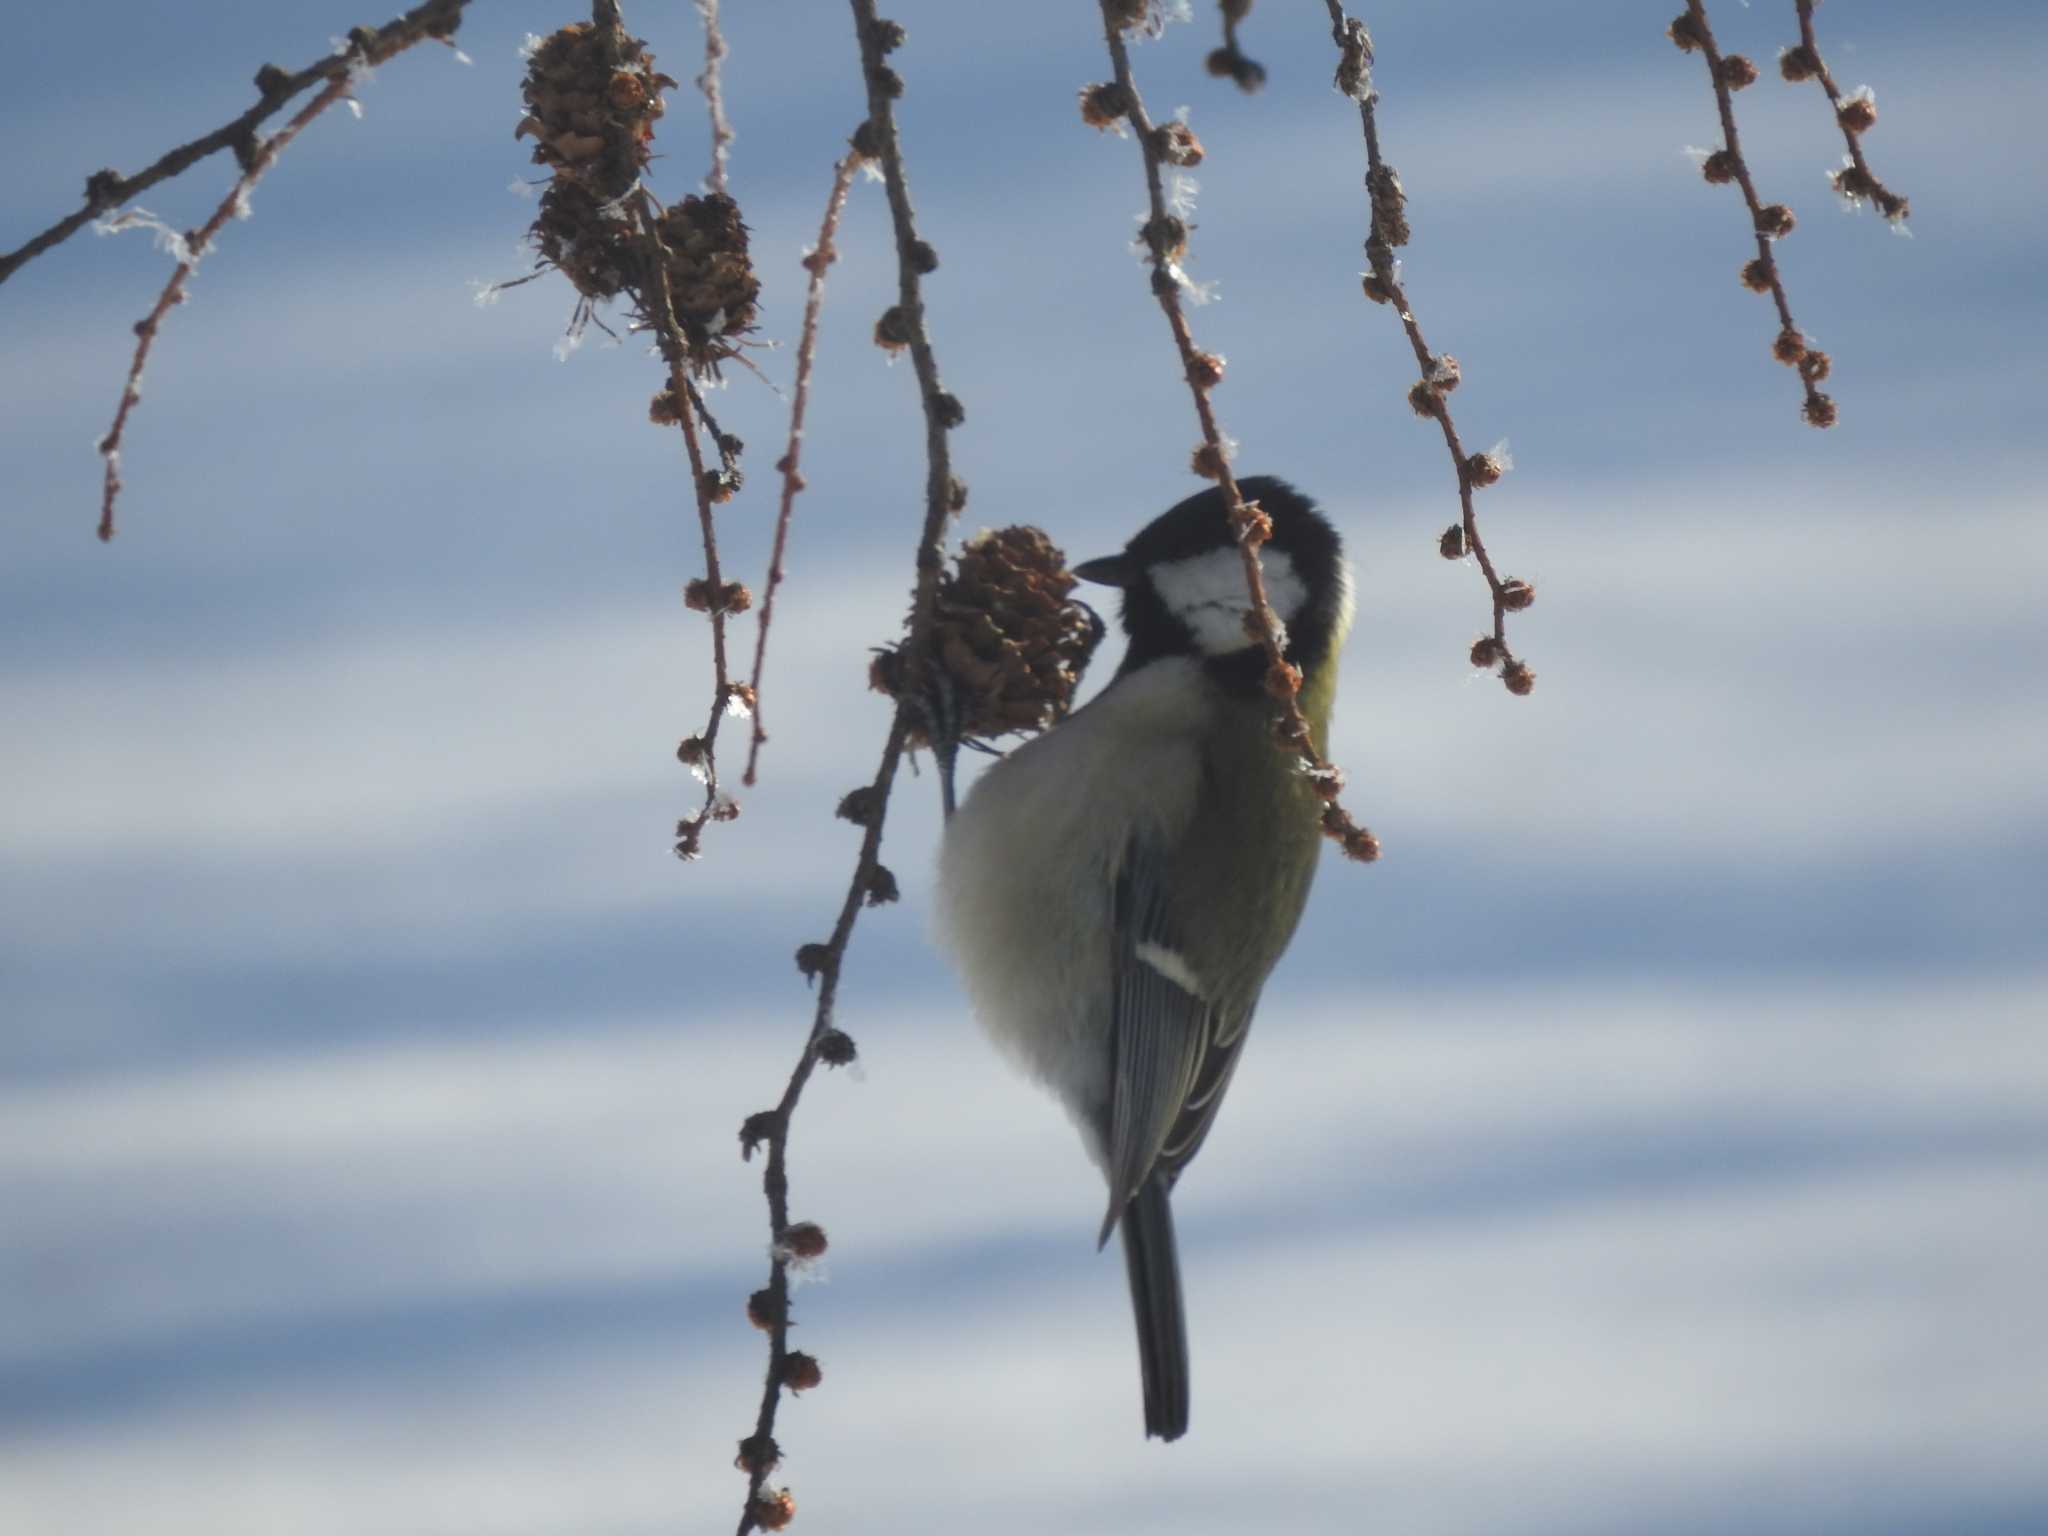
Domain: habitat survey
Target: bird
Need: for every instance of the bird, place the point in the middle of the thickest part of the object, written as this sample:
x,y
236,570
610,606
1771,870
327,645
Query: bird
x,y
1115,891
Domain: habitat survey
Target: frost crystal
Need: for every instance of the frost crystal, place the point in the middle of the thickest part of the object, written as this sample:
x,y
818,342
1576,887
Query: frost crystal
x,y
168,240
1198,293
802,1272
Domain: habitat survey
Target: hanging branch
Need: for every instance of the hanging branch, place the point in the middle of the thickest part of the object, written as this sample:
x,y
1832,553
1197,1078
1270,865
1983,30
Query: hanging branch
x,y
714,95
820,257
1165,236
1429,397
257,155
872,884
109,189
1769,222
710,593
1855,115
688,276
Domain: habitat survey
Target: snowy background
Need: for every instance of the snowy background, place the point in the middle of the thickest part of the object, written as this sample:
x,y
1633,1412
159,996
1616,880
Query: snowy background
x,y
1656,1139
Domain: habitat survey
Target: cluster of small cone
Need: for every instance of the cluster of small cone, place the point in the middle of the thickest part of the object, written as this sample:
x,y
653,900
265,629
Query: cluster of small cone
x,y
1006,636
592,97
711,283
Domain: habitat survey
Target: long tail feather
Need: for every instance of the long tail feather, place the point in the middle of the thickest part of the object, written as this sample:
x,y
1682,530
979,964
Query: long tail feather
x,y
1154,1267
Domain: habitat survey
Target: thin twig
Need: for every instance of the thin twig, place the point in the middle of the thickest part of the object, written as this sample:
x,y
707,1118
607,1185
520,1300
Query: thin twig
x,y
1854,116
192,247
816,262
655,309
1165,237
110,189
728,446
871,884
1768,221
1439,375
710,83
699,752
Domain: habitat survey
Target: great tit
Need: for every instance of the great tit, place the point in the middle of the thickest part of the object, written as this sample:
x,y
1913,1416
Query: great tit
x,y
1115,891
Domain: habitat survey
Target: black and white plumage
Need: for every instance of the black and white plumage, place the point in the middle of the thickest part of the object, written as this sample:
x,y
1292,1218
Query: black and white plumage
x,y
1116,891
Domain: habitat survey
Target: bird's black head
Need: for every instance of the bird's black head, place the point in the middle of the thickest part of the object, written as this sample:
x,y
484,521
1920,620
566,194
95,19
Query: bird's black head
x,y
1184,588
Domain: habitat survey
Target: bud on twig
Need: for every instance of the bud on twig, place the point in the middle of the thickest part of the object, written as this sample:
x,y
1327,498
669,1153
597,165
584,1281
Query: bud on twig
x,y
1104,105
805,1240
893,330
772,1509
1737,72
1798,63
756,1131
758,1453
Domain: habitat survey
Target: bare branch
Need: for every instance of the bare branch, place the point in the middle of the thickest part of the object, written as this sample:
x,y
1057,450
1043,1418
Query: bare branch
x,y
1769,222
1429,397
1165,237
872,884
110,189
816,263
1854,115
689,276
257,155
710,593
710,83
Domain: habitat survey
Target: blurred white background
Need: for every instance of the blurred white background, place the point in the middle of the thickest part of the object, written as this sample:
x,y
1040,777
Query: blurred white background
x,y
1656,1139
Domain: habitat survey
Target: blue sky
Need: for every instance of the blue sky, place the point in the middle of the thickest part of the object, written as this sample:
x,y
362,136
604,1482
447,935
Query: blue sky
x,y
1658,1135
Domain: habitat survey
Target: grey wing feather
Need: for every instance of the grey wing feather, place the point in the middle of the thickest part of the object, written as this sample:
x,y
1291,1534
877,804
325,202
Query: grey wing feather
x,y
1184,1138
1174,1050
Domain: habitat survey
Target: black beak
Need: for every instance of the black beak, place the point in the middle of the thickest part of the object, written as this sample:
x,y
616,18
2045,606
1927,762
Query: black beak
x,y
1109,571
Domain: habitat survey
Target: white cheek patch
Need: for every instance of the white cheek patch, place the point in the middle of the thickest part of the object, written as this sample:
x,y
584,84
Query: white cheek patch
x,y
1170,965
1347,605
1207,593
